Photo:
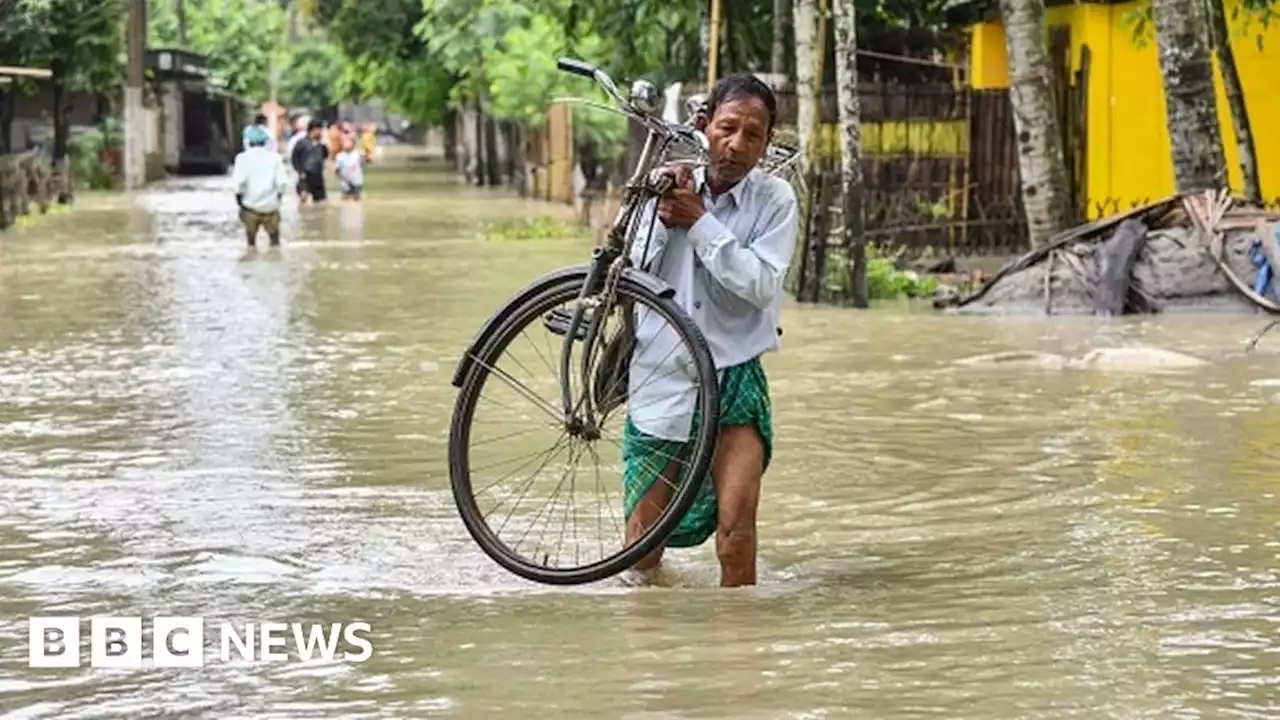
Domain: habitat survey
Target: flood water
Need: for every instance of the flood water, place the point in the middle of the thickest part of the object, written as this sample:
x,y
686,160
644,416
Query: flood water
x,y
186,429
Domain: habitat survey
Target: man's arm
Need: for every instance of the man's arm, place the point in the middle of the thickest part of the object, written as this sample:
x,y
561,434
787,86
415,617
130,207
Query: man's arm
x,y
755,272
240,175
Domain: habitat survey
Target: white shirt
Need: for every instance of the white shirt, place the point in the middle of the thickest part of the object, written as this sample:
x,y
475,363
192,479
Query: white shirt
x,y
728,272
261,178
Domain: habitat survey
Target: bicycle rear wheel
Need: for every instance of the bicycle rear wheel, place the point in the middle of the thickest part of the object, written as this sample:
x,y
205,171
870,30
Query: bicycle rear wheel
x,y
671,377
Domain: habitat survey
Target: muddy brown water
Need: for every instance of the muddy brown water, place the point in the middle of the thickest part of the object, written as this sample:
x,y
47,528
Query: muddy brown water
x,y
188,430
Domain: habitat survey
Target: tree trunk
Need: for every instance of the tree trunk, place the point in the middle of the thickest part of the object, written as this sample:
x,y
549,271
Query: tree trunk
x,y
1252,184
180,9
846,47
450,136
60,126
491,150
704,40
480,154
1190,99
806,84
1042,169
778,59
8,107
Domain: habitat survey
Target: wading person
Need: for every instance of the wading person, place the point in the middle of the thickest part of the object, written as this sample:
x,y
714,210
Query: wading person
x,y
261,181
308,158
348,166
724,241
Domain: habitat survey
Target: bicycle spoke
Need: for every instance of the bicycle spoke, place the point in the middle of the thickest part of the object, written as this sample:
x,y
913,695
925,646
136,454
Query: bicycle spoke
x,y
521,388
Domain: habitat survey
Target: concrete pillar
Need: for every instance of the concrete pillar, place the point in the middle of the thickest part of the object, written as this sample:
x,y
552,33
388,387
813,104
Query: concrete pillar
x,y
135,116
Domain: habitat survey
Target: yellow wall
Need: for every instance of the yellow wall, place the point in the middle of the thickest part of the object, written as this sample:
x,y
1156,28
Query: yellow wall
x,y
1128,137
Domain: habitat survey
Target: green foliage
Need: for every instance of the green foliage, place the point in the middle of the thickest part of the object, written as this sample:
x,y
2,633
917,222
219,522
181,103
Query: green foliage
x,y
79,40
313,75
382,56
240,38
523,79
86,150
885,279
541,227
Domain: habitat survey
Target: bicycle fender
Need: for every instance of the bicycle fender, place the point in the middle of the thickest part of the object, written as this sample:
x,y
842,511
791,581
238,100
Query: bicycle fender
x,y
652,283
547,281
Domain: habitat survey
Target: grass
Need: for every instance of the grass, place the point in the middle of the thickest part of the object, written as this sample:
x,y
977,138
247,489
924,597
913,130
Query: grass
x,y
540,227
885,279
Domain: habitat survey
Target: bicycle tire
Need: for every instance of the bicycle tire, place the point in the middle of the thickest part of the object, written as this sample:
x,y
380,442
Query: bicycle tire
x,y
513,319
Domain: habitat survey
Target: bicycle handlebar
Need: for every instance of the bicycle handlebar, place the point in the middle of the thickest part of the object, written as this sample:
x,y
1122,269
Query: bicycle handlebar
x,y
577,67
653,122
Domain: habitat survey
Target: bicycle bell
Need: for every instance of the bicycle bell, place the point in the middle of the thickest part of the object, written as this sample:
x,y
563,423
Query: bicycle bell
x,y
696,104
644,96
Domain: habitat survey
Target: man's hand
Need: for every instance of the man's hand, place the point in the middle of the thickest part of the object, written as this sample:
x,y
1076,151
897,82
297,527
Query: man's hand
x,y
681,206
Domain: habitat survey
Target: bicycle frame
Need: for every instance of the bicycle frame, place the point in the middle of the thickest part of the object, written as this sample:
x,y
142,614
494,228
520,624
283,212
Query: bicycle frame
x,y
607,260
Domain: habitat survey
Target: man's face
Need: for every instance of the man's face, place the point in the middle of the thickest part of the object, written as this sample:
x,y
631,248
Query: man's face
x,y
739,134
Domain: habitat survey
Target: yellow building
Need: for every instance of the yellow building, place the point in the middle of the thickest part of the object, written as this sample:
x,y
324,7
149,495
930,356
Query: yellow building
x,y
1127,143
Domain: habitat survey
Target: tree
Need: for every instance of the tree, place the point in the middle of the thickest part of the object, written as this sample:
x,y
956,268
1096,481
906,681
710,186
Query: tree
x,y
240,38
846,45
806,14
1221,41
778,57
20,45
1190,99
1042,169
313,74
84,52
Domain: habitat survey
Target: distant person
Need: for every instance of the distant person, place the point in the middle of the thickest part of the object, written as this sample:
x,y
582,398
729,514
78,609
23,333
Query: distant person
x,y
259,123
299,132
261,181
309,156
335,139
348,165
369,141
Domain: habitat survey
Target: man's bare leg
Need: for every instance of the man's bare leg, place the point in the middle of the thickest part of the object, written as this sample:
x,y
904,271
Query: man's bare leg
x,y
647,512
737,469
273,228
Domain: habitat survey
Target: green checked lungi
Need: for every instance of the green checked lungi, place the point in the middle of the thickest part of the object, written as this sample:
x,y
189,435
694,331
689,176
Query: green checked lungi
x,y
744,400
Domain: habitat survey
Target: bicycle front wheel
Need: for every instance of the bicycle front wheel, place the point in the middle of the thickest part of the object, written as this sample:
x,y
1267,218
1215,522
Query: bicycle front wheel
x,y
512,438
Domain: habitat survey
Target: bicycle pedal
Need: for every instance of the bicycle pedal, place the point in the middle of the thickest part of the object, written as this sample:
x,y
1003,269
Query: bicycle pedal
x,y
559,320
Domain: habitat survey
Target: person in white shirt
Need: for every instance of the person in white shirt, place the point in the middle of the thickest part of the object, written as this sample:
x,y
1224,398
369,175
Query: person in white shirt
x,y
724,239
261,181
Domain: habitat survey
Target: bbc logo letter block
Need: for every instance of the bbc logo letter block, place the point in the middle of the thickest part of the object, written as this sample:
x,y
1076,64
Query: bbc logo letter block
x,y
116,642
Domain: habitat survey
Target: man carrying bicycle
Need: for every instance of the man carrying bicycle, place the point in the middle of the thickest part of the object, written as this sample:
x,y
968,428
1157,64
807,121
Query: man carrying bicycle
x,y
724,240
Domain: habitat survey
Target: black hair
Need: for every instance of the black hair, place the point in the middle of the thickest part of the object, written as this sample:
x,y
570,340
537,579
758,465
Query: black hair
x,y
261,119
740,86
314,124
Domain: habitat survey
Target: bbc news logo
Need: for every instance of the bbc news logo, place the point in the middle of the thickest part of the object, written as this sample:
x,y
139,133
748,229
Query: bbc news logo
x,y
117,642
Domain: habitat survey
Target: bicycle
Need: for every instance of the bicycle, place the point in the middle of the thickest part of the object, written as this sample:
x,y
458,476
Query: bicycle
x,y
609,285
